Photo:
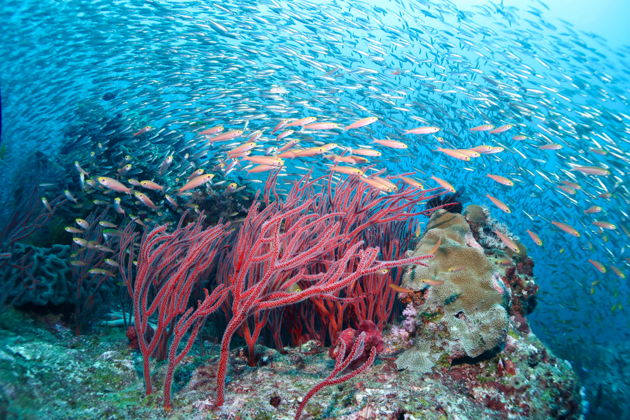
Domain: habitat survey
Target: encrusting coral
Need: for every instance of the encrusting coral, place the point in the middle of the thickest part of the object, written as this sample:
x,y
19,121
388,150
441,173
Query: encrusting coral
x,y
459,284
48,279
457,292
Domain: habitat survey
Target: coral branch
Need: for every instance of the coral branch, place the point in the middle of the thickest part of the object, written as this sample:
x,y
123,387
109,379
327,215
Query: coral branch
x,y
169,265
303,239
343,359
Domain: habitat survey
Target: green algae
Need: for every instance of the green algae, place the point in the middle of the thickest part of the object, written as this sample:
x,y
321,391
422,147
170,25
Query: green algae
x,y
443,361
513,333
431,316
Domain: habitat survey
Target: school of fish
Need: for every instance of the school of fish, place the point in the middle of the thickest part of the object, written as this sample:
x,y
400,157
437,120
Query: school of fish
x,y
421,93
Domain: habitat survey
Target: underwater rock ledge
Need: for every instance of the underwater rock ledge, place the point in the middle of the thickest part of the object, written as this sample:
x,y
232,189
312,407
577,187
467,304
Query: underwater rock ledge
x,y
463,350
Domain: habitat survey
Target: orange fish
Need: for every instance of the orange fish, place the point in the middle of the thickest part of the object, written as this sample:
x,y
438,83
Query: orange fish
x,y
501,180
265,160
501,129
519,137
255,136
144,199
567,189
245,147
568,229
391,143
482,148
399,289
212,130
423,130
344,159
142,130
507,241
572,185
444,184
261,168
300,122
112,184
284,134
618,272
412,182
379,183
487,149
599,266
118,207
433,282
196,182
591,170
361,123
228,135
468,152
289,145
535,238
454,153
605,225
500,204
484,127
171,200
346,170
309,151
150,185
82,223
196,173
593,209
366,152
321,126
436,247
280,126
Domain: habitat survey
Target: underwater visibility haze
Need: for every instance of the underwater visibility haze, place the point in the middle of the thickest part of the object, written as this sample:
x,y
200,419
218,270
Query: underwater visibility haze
x,y
313,209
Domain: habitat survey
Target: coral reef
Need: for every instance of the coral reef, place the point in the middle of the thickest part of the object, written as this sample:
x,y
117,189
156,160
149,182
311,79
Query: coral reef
x,y
102,379
482,363
457,293
49,270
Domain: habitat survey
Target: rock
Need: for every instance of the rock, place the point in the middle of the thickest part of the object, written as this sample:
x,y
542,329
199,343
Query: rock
x,y
463,288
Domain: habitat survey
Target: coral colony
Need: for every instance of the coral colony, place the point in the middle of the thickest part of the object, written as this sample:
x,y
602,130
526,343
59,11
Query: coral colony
x,y
323,265
310,245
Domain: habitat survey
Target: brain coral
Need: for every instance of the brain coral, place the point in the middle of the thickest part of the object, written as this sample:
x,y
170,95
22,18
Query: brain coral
x,y
50,269
459,284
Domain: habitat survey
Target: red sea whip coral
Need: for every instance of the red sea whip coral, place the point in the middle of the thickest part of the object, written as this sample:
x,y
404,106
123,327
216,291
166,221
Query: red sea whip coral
x,y
383,221
292,250
355,350
289,243
169,265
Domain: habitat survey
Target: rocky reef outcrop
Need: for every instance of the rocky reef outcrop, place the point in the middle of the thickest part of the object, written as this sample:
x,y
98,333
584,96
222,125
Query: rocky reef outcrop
x,y
463,349
458,296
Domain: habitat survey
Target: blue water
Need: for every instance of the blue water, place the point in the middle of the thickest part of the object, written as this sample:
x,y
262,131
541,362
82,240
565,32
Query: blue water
x,y
410,63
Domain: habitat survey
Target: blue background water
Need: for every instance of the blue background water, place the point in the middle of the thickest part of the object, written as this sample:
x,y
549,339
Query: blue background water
x,y
452,65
